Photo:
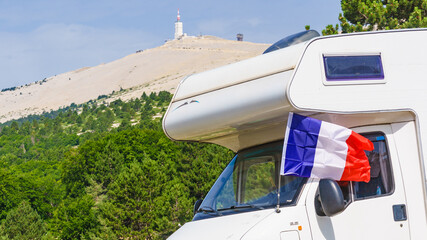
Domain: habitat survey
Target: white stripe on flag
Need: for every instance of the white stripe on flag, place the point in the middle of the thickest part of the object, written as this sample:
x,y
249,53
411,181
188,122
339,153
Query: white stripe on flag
x,y
331,151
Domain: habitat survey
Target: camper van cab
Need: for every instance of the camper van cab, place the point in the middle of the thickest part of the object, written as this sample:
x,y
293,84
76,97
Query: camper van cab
x,y
373,83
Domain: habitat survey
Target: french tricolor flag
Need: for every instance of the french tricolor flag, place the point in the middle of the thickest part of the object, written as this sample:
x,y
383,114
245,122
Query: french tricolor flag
x,y
319,149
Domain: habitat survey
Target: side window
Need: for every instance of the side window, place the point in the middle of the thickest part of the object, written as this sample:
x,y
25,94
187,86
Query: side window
x,y
381,182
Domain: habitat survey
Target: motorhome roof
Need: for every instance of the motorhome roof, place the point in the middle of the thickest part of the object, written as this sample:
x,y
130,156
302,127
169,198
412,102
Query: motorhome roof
x,y
239,72
246,103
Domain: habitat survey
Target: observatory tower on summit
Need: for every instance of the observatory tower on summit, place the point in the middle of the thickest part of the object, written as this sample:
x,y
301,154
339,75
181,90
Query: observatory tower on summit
x,y
179,33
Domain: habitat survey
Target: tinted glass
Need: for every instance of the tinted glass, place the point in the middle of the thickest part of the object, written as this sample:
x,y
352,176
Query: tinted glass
x,y
381,176
353,67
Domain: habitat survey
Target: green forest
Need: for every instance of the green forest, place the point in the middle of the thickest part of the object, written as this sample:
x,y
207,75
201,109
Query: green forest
x,y
101,170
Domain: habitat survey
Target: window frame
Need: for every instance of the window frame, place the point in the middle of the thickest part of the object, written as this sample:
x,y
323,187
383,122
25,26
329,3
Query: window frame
x,y
390,162
352,81
352,193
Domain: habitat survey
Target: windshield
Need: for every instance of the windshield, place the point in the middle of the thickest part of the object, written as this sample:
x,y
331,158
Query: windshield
x,y
250,182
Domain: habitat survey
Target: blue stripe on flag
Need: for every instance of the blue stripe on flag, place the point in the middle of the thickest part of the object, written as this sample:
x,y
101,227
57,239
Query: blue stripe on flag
x,y
301,145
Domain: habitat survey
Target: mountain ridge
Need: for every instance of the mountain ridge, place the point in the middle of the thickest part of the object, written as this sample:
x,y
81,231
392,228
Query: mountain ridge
x,y
151,70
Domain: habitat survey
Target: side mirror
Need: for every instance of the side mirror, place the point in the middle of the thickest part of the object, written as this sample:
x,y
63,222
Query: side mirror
x,y
330,200
197,205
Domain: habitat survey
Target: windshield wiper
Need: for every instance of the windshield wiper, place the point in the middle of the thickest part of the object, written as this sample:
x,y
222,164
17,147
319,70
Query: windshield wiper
x,y
245,205
206,210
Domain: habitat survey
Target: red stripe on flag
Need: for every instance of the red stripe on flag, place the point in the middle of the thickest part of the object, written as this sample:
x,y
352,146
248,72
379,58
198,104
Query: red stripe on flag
x,y
357,166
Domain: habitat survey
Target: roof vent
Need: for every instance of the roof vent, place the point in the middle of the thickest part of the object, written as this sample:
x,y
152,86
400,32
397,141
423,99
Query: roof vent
x,y
292,40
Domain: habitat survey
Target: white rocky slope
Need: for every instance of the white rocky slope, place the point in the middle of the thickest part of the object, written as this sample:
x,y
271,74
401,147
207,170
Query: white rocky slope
x,y
151,70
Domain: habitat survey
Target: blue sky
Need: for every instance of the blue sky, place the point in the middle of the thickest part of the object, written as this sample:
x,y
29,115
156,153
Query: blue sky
x,y
42,38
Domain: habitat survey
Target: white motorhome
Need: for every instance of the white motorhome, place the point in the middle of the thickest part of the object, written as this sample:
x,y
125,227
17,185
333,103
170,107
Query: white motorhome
x,y
374,83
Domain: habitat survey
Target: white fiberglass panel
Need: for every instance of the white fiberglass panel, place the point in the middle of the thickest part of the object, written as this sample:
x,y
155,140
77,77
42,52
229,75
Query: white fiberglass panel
x,y
239,72
404,86
224,227
237,109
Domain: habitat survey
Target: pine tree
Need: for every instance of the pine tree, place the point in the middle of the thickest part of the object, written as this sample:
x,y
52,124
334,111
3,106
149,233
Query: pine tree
x,y
75,218
23,223
372,15
14,126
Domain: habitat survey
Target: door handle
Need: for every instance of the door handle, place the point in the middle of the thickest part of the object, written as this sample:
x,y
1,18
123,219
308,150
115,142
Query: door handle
x,y
399,212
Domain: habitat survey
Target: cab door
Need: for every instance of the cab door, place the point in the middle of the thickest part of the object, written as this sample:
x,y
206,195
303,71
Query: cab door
x,y
374,210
